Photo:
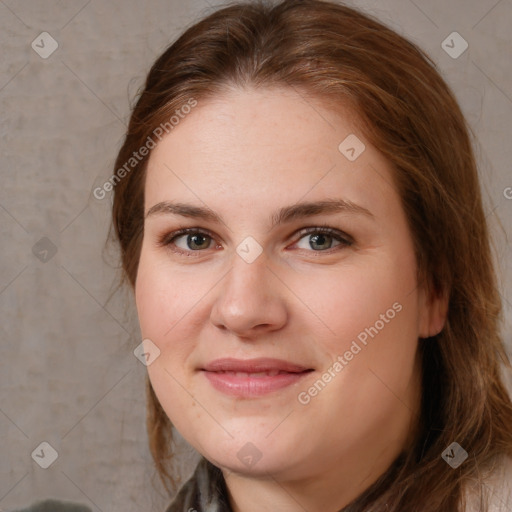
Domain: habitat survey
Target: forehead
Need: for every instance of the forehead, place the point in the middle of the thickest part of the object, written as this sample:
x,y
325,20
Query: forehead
x,y
269,145
277,123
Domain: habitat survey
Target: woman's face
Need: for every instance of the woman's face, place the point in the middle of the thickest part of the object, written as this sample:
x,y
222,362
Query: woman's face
x,y
284,349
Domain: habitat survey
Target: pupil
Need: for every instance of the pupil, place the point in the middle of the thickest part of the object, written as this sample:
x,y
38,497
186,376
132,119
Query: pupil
x,y
195,237
315,239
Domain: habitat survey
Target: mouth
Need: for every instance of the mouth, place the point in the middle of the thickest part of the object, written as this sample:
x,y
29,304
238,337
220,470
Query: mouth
x,y
253,377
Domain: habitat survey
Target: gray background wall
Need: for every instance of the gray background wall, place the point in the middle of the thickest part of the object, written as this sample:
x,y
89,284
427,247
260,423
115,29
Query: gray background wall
x,y
68,374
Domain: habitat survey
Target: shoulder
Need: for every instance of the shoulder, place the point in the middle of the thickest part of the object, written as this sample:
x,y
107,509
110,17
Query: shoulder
x,y
52,505
497,489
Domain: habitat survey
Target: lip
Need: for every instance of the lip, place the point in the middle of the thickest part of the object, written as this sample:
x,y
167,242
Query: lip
x,y
243,377
261,364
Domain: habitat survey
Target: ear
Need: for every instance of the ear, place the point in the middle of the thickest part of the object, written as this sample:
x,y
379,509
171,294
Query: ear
x,y
433,310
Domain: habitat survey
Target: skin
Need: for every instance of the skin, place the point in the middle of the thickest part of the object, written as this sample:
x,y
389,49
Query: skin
x,y
246,154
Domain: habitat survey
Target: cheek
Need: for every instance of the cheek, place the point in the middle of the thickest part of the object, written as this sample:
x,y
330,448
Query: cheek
x,y
163,302
371,311
149,300
165,299
352,300
171,308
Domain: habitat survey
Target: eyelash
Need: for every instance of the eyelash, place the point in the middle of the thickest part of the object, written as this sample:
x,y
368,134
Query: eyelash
x,y
345,240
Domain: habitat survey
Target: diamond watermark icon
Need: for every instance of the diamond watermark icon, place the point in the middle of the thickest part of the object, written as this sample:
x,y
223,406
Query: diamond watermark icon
x,y
455,455
45,455
454,45
44,45
249,249
44,250
249,454
351,147
146,352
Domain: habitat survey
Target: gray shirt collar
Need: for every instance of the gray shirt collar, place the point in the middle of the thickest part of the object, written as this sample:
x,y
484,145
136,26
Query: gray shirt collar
x,y
205,491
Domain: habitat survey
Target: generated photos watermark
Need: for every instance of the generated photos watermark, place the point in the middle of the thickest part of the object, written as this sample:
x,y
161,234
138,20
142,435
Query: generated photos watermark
x,y
305,397
137,156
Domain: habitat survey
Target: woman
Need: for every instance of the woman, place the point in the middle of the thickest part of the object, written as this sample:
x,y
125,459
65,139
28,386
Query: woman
x,y
310,122
359,376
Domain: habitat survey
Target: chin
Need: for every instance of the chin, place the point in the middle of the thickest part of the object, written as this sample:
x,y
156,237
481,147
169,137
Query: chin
x,y
264,467
255,454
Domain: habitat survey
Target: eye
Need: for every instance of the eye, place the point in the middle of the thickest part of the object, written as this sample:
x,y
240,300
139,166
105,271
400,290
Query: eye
x,y
321,238
196,240
193,240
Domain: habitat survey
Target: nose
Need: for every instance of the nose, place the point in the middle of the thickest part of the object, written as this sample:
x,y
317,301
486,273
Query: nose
x,y
250,299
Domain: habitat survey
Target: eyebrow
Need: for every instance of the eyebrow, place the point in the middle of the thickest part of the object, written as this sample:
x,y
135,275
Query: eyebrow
x,y
281,216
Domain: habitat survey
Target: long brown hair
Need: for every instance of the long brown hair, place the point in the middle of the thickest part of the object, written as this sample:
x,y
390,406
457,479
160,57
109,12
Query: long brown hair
x,y
341,56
